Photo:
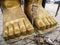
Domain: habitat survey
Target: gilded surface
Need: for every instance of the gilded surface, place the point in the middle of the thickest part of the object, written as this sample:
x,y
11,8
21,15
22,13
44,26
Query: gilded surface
x,y
43,20
15,20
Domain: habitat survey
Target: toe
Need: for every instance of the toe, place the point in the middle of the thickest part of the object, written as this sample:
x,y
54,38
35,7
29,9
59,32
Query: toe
x,y
28,26
16,29
22,27
5,33
11,31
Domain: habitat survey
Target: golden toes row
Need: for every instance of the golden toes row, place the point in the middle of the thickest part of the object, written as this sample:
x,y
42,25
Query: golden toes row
x,y
16,29
42,19
15,20
17,24
47,15
48,21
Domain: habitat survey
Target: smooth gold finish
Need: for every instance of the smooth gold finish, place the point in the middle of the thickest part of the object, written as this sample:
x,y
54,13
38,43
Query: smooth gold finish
x,y
22,27
15,20
10,31
5,34
42,19
40,24
9,3
16,29
28,26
